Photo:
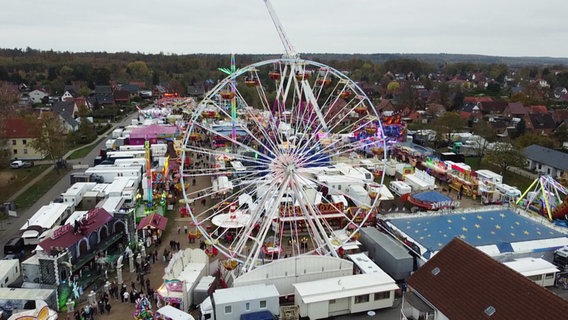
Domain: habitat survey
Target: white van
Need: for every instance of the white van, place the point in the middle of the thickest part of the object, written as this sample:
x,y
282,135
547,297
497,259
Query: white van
x,y
399,187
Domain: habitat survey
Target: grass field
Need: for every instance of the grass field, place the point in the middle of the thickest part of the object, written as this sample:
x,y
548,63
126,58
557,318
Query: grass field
x,y
12,180
30,196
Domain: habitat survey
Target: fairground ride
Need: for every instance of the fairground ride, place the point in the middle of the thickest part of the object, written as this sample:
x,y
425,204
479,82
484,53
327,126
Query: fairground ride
x,y
267,134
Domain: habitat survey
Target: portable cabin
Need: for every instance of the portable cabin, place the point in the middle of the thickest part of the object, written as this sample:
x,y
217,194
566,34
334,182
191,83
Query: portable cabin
x,y
538,270
234,303
10,272
389,254
326,298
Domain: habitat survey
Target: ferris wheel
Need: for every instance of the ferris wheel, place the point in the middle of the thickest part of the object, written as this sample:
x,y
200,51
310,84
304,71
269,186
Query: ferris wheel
x,y
272,158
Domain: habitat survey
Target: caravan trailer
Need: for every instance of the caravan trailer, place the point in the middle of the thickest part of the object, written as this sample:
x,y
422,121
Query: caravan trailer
x,y
400,188
47,217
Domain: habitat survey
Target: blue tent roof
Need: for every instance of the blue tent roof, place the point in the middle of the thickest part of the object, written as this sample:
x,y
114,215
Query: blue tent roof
x,y
497,227
431,196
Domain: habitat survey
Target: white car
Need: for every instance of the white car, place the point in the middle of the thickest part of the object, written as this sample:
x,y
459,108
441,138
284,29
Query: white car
x,y
16,164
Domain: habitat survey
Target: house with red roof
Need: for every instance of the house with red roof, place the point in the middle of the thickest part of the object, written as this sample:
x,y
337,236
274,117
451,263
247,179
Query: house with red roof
x,y
516,110
461,282
19,134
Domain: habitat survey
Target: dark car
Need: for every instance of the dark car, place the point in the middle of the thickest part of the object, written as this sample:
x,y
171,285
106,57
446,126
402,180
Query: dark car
x,y
15,247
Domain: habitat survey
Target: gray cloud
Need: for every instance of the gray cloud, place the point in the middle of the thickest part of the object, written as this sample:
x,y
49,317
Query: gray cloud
x,y
505,27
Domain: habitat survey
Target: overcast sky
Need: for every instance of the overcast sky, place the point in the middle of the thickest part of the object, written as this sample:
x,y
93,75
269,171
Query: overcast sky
x,y
487,27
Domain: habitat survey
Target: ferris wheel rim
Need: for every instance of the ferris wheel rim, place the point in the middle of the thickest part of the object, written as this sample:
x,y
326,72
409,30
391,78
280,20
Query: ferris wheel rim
x,y
202,106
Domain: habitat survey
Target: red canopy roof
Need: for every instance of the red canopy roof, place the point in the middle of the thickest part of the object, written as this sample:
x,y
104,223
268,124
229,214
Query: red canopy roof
x,y
69,234
154,221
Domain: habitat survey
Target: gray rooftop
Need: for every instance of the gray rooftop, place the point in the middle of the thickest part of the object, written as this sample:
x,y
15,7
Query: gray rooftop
x,y
546,156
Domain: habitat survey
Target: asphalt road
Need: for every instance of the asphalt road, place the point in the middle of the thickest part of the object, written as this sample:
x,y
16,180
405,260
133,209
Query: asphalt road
x,y
10,227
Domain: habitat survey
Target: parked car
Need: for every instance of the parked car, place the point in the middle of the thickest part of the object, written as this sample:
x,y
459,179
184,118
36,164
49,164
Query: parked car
x,y
16,164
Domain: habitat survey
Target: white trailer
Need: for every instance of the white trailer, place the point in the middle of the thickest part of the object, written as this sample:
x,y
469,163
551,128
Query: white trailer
x,y
189,277
420,180
400,187
351,294
74,195
508,191
117,133
234,303
110,144
538,270
489,175
117,186
47,217
109,173
10,272
359,195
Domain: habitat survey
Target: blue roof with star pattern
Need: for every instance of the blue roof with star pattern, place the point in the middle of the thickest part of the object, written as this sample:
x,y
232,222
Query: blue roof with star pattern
x,y
498,227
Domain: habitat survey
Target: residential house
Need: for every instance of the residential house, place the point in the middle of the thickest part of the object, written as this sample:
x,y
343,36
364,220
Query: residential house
x,y
547,161
68,112
196,91
38,95
541,123
477,100
68,95
559,92
538,109
461,282
18,133
121,96
102,96
493,108
385,105
82,102
515,110
132,89
560,115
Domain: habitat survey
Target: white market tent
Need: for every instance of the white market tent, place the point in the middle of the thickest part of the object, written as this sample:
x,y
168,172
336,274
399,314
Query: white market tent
x,y
174,313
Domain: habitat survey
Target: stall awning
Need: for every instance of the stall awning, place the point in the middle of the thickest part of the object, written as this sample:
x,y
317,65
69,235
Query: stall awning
x,y
154,221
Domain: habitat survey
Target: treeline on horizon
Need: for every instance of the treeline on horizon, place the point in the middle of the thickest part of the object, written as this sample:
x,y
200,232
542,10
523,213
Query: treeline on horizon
x,y
52,69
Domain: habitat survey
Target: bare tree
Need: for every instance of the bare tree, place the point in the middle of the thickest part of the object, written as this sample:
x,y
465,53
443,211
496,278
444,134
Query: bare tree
x,y
50,134
8,97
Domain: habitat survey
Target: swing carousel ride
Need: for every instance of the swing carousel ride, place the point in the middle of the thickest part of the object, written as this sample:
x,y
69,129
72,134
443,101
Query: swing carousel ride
x,y
267,135
546,197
